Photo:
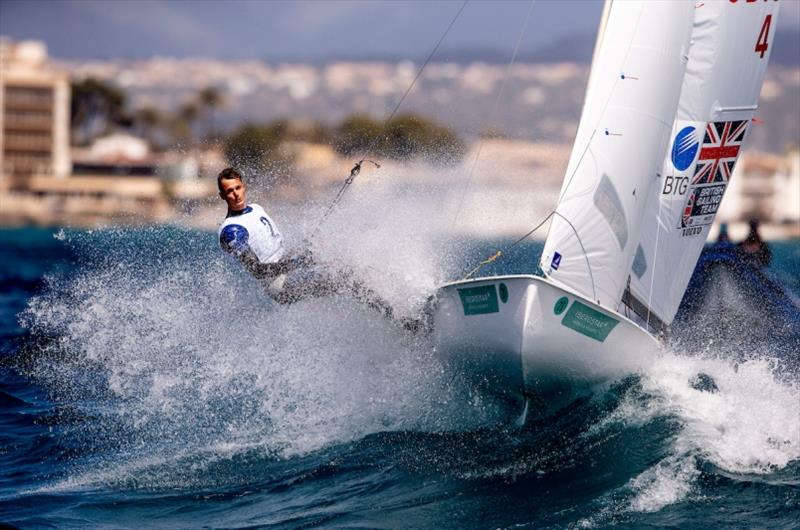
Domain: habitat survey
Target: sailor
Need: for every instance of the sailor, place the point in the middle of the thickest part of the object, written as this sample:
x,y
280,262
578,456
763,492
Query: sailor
x,y
754,249
724,239
253,238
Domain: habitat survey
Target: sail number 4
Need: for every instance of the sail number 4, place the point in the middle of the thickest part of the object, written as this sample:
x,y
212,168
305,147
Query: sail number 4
x,y
762,43
763,37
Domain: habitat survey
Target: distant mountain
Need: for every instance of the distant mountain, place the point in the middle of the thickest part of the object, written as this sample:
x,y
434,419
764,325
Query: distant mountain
x,y
576,48
571,49
579,48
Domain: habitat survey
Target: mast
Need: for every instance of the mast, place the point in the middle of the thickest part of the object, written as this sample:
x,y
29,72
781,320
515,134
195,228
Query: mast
x,y
630,105
731,43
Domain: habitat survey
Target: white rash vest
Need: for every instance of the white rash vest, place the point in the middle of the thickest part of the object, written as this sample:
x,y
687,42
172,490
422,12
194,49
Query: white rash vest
x,y
252,229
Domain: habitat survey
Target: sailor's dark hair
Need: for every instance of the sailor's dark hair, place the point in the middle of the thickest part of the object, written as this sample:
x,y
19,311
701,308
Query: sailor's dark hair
x,y
228,174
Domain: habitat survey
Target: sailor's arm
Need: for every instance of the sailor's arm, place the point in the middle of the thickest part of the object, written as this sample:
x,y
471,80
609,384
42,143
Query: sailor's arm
x,y
234,240
267,270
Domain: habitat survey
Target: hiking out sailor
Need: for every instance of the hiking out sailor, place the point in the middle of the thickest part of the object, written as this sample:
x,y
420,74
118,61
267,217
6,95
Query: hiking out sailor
x,y
250,235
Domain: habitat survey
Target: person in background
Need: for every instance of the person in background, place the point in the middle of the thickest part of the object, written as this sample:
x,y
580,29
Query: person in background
x,y
754,249
723,239
723,236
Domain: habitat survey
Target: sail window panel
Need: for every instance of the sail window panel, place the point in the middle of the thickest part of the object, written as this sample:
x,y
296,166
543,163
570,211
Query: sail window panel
x,y
607,202
639,266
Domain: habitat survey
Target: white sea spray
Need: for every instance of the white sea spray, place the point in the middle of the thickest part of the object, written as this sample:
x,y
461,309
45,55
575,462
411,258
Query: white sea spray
x,y
748,426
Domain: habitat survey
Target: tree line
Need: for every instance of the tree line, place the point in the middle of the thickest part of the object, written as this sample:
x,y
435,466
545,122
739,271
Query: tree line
x,y
98,108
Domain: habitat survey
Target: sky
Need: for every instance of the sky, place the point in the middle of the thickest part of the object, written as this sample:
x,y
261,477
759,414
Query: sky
x,y
297,30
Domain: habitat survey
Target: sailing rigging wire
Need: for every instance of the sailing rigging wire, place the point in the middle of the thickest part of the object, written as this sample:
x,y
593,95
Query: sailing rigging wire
x,y
349,180
471,173
655,248
357,167
504,251
500,253
422,68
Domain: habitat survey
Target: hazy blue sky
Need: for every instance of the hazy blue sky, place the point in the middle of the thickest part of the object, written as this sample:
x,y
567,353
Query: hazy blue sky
x,y
310,29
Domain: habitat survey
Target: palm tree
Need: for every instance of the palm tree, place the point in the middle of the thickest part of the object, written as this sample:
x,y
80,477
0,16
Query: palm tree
x,y
182,126
95,108
209,100
149,122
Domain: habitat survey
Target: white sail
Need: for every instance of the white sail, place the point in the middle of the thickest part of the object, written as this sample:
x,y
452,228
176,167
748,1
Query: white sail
x,y
630,106
731,42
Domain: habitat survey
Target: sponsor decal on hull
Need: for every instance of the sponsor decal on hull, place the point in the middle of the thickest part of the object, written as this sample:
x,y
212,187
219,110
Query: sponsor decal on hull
x,y
479,300
588,321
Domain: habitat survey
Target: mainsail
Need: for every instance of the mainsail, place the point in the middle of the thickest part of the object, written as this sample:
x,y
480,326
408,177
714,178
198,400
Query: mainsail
x,y
730,47
626,125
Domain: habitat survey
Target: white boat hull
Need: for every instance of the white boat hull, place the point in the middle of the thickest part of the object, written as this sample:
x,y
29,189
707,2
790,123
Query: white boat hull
x,y
523,335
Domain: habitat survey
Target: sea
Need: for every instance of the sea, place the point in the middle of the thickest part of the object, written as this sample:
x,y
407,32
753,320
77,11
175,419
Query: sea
x,y
147,382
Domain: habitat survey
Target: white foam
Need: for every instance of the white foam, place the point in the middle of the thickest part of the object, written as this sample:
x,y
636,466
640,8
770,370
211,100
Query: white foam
x,y
749,426
193,355
397,226
668,482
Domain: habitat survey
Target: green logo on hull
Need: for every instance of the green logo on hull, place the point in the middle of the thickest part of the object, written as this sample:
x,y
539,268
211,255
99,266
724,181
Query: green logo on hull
x,y
588,321
479,300
503,293
561,305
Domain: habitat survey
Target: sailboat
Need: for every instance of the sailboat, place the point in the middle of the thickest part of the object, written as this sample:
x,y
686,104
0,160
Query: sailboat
x,y
672,90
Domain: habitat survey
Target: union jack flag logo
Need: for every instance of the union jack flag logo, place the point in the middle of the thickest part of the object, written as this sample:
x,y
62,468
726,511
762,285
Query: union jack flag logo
x,y
719,151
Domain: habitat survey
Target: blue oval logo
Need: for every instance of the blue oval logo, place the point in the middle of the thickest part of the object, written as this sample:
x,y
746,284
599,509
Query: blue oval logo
x,y
684,148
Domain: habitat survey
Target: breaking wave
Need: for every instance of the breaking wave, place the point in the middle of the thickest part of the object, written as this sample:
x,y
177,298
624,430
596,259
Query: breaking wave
x,y
170,369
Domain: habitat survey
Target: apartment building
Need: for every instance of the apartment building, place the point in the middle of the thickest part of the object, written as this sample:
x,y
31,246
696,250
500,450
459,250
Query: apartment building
x,y
34,115
766,187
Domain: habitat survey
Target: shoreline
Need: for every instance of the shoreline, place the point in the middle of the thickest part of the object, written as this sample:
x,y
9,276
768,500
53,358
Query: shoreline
x,y
737,230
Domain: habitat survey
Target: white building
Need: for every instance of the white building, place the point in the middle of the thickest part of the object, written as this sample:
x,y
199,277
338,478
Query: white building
x,y
764,186
34,114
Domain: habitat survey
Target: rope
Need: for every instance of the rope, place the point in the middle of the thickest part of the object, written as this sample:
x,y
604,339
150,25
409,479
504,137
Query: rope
x,y
502,252
349,180
484,262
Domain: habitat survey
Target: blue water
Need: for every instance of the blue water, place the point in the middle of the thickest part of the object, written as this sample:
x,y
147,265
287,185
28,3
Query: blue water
x,y
145,384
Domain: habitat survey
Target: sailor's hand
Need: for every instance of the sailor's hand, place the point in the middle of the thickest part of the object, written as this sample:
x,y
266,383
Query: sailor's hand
x,y
303,259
